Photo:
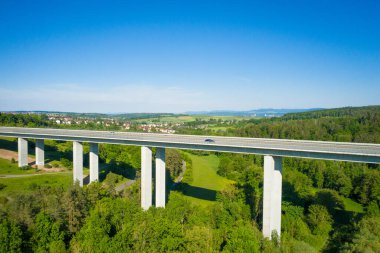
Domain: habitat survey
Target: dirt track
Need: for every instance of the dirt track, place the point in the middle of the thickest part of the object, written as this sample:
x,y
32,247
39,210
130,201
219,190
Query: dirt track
x,y
8,155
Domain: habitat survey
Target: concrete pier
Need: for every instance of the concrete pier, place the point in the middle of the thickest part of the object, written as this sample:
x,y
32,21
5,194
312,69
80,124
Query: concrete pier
x,y
272,195
78,162
94,162
160,178
146,177
22,152
40,152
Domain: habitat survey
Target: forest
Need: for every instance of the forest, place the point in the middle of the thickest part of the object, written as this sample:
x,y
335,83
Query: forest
x,y
327,206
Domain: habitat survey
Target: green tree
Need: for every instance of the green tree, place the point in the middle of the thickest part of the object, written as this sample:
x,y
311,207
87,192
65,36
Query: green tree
x,y
76,207
368,187
367,236
11,237
319,219
243,238
199,239
46,232
173,162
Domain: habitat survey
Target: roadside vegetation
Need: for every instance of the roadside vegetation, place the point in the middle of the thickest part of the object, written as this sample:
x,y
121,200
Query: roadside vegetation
x,y
216,202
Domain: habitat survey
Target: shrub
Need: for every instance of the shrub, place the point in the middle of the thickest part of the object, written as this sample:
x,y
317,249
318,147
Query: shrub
x,y
2,186
26,167
319,220
3,200
48,166
33,186
113,179
66,163
55,164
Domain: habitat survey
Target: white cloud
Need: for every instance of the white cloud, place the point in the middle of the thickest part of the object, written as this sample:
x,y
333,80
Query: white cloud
x,y
127,98
155,98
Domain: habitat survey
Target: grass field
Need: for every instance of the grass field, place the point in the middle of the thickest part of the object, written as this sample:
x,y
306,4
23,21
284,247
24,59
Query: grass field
x,y
29,183
206,182
6,168
219,128
352,206
351,209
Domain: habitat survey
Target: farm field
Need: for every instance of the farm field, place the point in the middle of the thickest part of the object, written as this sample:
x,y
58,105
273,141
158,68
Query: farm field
x,y
190,118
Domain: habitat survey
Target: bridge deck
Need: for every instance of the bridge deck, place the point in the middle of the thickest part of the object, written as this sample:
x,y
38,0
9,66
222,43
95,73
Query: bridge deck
x,y
356,152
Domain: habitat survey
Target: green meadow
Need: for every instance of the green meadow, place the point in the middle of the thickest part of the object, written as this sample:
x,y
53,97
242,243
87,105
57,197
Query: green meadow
x,y
206,182
7,167
30,183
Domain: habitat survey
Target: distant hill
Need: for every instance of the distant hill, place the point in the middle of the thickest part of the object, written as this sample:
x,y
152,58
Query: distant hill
x,y
75,114
286,114
99,115
265,112
335,112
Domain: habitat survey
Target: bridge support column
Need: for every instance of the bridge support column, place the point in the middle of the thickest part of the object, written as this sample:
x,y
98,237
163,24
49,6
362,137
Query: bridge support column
x,y
40,152
146,177
22,152
160,178
78,162
272,195
94,162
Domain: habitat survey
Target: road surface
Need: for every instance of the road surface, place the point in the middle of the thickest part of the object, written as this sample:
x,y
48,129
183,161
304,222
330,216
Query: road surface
x,y
357,152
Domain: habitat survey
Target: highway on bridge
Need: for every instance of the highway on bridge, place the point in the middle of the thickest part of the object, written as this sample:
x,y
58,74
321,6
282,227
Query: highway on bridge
x,y
343,151
272,149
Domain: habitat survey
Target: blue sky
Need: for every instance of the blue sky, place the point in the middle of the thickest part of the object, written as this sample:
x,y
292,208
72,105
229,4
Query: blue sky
x,y
176,56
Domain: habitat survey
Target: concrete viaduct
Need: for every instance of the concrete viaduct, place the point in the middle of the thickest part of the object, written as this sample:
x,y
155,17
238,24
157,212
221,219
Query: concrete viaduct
x,y
272,149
